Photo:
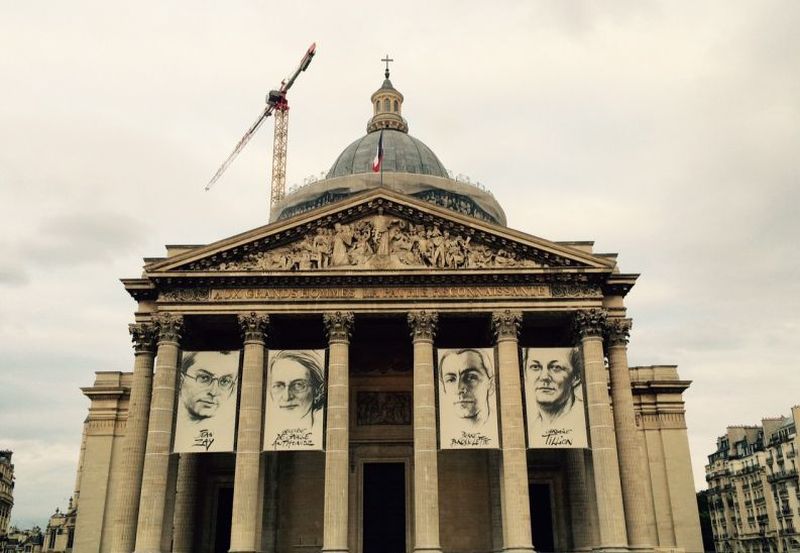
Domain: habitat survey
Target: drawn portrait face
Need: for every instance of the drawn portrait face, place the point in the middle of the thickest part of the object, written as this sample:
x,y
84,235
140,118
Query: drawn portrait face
x,y
208,379
296,381
554,376
467,385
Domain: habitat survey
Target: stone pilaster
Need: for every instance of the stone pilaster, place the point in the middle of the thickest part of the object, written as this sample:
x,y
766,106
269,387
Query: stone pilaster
x,y
426,472
155,478
249,477
185,504
514,496
126,509
339,326
640,514
590,326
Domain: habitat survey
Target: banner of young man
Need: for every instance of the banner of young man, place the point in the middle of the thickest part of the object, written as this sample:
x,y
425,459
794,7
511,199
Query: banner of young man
x,y
295,400
467,399
554,398
207,401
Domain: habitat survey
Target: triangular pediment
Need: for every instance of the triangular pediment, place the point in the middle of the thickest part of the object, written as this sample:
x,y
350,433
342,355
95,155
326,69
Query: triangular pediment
x,y
379,230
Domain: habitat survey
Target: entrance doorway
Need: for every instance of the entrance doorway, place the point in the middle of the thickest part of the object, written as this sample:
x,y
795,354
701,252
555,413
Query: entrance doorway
x,y
384,508
222,534
541,517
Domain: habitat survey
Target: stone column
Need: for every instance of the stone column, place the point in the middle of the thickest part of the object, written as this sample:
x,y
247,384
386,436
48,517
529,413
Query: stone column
x,y
155,478
426,472
516,506
249,478
126,508
581,520
640,514
590,326
185,504
338,325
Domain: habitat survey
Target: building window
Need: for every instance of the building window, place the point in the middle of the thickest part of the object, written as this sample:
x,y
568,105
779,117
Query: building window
x,y
395,106
386,105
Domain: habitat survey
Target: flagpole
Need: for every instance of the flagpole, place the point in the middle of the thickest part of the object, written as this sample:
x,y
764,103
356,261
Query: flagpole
x,y
384,155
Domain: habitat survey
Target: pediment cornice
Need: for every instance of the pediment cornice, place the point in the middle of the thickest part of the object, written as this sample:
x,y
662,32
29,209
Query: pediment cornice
x,y
377,232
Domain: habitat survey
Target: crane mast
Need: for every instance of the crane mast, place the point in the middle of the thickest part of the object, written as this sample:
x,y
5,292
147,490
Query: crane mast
x,y
279,106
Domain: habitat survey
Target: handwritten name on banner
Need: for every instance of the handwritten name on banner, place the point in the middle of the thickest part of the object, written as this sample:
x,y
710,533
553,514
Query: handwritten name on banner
x,y
402,292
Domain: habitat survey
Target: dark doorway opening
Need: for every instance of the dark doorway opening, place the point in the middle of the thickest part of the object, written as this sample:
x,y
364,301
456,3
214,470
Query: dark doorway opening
x,y
222,534
384,523
541,517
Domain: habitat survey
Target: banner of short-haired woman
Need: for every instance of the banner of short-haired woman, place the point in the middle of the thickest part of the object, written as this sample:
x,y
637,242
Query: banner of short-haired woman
x,y
295,410
205,420
554,397
467,399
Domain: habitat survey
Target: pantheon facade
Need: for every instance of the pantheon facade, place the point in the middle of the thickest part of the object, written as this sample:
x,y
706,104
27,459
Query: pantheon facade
x,y
384,367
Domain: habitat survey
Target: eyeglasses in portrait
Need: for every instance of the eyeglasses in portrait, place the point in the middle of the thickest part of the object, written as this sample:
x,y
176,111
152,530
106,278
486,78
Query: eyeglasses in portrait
x,y
207,399
295,397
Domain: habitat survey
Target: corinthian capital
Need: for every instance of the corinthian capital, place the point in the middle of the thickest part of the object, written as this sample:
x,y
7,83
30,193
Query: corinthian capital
x,y
618,331
143,336
506,324
590,322
254,326
423,324
170,327
338,325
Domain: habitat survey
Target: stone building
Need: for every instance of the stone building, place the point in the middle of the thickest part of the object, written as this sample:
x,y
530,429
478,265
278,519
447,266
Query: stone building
x,y
392,276
6,490
59,535
753,489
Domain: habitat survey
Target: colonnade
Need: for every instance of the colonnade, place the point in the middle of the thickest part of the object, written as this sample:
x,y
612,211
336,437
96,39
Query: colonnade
x,y
617,512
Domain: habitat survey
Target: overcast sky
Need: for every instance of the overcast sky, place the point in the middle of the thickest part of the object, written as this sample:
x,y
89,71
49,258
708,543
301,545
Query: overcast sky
x,y
666,131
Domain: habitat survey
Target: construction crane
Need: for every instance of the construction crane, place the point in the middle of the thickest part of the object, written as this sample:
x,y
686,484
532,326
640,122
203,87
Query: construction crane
x,y
277,104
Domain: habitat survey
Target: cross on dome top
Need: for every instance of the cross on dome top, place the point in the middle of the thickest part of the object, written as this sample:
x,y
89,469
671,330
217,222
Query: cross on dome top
x,y
387,59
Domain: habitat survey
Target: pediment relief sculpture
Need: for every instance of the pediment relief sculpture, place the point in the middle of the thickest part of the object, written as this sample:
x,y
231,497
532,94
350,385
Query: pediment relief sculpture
x,y
379,242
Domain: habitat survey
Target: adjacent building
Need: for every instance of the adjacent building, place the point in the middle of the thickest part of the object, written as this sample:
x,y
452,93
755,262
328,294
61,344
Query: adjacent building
x,y
384,367
6,490
753,489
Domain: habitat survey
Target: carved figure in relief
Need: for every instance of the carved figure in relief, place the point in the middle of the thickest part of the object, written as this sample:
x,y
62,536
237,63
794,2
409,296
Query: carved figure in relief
x,y
342,239
378,242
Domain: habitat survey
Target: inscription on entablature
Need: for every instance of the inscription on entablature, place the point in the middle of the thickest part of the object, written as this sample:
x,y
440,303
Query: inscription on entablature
x,y
383,408
388,293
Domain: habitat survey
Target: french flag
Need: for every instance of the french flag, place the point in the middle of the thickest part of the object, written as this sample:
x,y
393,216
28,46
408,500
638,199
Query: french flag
x,y
378,161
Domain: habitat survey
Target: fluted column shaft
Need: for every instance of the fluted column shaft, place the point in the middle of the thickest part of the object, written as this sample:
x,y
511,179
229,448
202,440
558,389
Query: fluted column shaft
x,y
249,478
126,508
185,504
334,536
426,472
516,506
155,478
636,495
610,513
580,512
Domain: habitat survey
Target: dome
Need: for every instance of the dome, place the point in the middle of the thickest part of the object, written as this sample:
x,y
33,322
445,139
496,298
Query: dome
x,y
408,166
402,154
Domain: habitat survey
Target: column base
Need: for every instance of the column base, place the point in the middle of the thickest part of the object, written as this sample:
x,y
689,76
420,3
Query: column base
x,y
524,549
427,550
642,548
611,549
345,550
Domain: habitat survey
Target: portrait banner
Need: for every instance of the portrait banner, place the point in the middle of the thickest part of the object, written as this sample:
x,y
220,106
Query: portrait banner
x,y
295,398
554,398
205,419
467,399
